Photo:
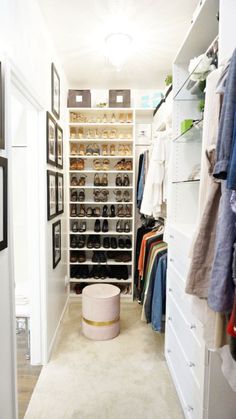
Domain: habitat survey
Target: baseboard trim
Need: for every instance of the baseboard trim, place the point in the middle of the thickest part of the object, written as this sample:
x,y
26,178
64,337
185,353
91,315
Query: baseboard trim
x,y
56,334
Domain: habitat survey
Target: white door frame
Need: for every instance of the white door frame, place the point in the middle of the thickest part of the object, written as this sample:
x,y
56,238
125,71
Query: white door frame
x,y
38,320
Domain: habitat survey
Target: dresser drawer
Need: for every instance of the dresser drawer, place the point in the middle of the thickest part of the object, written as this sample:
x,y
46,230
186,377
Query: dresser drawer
x,y
178,261
176,288
190,394
179,240
193,349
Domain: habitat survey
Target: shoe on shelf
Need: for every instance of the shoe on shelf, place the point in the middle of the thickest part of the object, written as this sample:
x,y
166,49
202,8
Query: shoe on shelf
x,y
105,134
89,150
73,149
96,257
105,164
103,272
96,150
97,226
81,195
89,212
105,226
82,180
128,165
121,243
97,242
73,210
106,243
121,118
81,242
119,227
104,195
112,149
90,242
96,212
128,243
126,196
120,165
126,181
82,227
74,196
74,181
81,150
105,150
112,211
113,243
113,118
73,257
81,257
118,195
73,242
127,227
82,211
120,211
97,165
85,272
113,134
75,227
102,257
97,181
128,211
129,118
105,211
104,180
121,150
119,180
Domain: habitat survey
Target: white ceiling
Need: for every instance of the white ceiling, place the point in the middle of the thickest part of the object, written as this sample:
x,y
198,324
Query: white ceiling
x,y
78,29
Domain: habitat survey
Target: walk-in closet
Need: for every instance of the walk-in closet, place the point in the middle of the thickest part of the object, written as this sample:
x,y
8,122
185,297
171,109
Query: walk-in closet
x,y
117,209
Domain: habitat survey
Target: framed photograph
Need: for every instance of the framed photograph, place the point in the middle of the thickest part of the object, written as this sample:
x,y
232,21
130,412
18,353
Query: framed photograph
x,y
55,92
3,203
59,136
51,140
60,194
56,243
2,110
52,194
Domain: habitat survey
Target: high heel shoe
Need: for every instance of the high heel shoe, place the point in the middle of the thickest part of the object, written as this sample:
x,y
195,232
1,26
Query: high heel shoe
x,y
105,150
118,195
96,180
126,196
97,226
75,227
112,211
105,211
119,227
82,227
104,180
82,180
112,150
105,226
74,181
126,181
82,211
119,180
81,150
128,211
127,227
73,210
81,195
74,196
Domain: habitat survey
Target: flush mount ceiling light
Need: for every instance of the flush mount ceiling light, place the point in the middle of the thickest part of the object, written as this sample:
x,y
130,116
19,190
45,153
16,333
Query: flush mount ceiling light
x,y
118,46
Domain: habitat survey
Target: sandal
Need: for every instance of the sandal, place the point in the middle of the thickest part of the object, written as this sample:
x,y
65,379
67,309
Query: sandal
x,y
119,227
74,196
96,180
74,181
126,196
106,164
104,195
105,150
120,211
119,180
104,180
81,150
73,210
127,227
82,211
80,164
118,195
97,165
128,165
128,211
126,181
89,150
81,195
82,180
112,150
96,194
120,165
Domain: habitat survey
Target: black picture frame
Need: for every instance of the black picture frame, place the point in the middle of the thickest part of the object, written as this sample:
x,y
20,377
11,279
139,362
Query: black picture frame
x,y
60,193
59,146
56,243
51,128
3,203
51,194
55,92
2,109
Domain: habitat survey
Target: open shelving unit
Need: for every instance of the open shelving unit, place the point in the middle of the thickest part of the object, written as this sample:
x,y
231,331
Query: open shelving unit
x,y
92,132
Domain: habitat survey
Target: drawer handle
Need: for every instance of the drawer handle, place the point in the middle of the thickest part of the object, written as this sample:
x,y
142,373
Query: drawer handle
x,y
170,318
191,364
171,260
170,290
171,236
169,351
189,408
193,326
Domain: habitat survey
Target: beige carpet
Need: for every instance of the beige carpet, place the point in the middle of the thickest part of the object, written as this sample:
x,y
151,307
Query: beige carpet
x,y
123,378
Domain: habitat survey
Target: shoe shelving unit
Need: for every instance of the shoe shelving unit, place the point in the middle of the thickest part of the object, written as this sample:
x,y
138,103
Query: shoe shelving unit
x,y
103,128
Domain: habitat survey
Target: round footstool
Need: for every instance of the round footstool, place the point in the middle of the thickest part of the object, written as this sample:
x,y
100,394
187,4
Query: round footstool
x,y
101,311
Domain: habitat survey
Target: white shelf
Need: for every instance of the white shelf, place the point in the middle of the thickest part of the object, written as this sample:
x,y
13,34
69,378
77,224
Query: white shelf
x,y
102,171
100,187
101,203
118,157
109,233
93,280
73,295
105,249
101,140
106,108
101,124
101,218
108,263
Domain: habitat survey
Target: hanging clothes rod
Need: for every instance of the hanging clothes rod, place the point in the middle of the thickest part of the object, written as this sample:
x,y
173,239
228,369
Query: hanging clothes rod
x,y
163,100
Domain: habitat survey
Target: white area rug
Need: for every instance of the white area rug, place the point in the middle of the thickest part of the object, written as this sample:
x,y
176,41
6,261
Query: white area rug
x,y
123,378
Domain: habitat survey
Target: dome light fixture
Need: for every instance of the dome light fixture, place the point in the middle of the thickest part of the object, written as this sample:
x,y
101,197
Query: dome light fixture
x,y
118,47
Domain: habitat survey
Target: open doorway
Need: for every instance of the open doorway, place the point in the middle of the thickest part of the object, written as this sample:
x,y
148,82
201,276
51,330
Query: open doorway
x,y
25,193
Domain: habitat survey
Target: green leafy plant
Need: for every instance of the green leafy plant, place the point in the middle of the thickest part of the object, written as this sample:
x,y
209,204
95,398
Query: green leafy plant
x,y
168,79
201,105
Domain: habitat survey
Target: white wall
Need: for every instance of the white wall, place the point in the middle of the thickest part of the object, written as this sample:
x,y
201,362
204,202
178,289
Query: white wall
x,y
26,42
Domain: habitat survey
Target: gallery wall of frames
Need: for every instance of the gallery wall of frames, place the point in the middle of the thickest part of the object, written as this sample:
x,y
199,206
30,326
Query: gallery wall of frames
x,y
55,178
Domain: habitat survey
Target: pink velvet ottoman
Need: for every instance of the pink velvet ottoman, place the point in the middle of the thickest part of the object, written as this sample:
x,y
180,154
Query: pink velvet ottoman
x,y
101,311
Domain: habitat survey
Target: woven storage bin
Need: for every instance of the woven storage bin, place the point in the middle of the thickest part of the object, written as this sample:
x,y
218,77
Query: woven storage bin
x,y
79,99
119,98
